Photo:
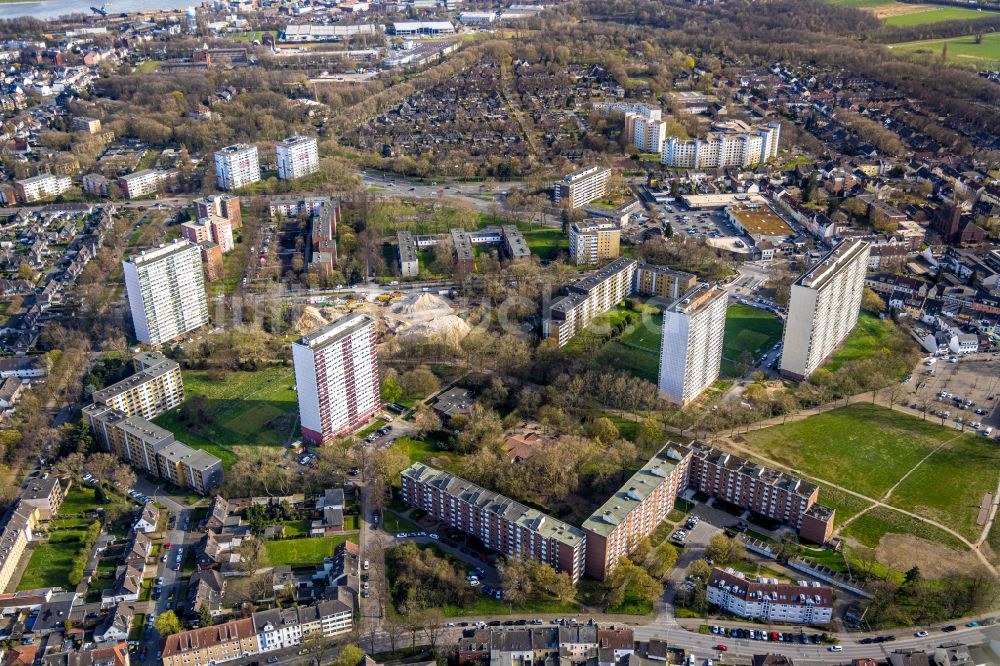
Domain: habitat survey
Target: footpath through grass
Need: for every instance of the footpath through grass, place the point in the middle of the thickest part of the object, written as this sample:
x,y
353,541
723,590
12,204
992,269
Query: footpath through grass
x,y
750,330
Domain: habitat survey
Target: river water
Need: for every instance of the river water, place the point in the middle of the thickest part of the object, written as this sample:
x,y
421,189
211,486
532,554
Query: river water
x,y
55,8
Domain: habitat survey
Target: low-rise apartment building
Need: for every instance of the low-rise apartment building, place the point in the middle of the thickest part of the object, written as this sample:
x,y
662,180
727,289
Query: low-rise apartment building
x,y
581,187
408,264
211,645
214,229
223,206
281,628
144,183
635,509
43,186
501,523
593,241
768,600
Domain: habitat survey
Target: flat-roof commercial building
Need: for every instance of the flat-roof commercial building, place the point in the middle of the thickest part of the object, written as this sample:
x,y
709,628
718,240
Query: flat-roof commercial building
x,y
499,522
592,241
166,292
823,308
336,377
407,250
691,346
298,156
731,143
581,187
759,221
309,32
635,509
236,166
765,491
418,28
588,298
767,599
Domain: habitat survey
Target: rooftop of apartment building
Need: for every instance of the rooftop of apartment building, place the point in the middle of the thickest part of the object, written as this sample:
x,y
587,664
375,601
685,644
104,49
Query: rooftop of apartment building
x,y
234,149
147,431
698,297
830,264
160,253
512,511
771,477
663,270
595,224
518,247
757,590
759,219
407,246
595,279
207,637
640,486
148,373
583,173
295,140
462,245
178,452
330,334
39,487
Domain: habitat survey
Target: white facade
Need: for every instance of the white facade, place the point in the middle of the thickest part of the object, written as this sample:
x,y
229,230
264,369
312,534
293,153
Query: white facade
x,y
142,183
691,346
236,166
298,156
588,298
823,308
647,130
42,187
166,292
743,146
769,600
581,187
336,376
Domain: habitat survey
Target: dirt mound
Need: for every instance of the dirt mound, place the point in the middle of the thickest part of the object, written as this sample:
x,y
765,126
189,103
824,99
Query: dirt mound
x,y
449,328
903,551
419,304
310,320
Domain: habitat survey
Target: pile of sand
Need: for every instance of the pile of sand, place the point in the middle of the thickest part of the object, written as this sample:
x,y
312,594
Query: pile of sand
x,y
422,304
310,320
449,328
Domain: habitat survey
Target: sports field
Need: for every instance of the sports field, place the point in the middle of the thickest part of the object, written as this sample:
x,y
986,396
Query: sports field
x,y
242,409
868,449
748,329
961,50
932,14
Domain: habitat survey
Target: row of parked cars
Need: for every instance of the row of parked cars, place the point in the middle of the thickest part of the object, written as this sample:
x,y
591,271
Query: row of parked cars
x,y
759,635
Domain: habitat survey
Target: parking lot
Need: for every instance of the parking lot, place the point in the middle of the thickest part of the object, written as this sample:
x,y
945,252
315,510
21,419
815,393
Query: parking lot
x,y
966,388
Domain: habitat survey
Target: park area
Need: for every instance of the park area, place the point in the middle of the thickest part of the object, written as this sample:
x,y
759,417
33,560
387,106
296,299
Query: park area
x,y
634,345
750,333
908,14
966,50
901,460
237,409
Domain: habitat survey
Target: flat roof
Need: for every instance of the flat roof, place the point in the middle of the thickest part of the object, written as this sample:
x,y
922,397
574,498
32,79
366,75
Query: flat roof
x,y
407,246
627,498
162,252
698,297
331,333
831,263
719,200
759,219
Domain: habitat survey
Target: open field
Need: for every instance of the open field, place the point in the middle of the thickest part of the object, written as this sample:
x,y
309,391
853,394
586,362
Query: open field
x,y
545,242
242,409
961,50
869,529
866,338
922,15
861,4
750,330
304,552
636,350
52,562
78,501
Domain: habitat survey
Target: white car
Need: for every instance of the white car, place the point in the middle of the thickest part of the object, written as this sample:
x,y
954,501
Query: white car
x,y
365,565
473,583
920,634
836,648
433,536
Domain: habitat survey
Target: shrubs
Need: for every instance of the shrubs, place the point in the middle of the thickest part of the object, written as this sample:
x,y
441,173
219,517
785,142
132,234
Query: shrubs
x,y
75,576
420,578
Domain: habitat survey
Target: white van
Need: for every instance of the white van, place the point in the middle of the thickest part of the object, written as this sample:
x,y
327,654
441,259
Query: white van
x,y
986,432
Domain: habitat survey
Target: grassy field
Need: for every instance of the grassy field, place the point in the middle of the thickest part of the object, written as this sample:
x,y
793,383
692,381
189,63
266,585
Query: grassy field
x,y
244,409
860,4
961,50
949,486
869,529
52,562
748,329
862,447
935,15
636,351
865,340
545,242
78,501
304,552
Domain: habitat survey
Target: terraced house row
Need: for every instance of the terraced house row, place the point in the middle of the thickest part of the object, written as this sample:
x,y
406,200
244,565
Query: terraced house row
x,y
120,417
627,517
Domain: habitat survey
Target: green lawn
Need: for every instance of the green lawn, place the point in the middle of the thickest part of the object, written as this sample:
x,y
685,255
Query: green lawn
x,y
934,14
304,552
950,485
245,408
866,339
860,4
422,451
872,526
636,350
78,501
961,50
862,447
845,504
748,329
52,562
545,242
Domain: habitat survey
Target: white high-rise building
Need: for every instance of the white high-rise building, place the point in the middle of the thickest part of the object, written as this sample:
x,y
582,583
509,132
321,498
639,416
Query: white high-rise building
x,y
691,348
236,166
823,308
581,187
336,377
298,156
647,130
731,143
166,292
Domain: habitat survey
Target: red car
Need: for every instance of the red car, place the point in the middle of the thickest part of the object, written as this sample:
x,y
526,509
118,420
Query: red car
x,y
166,546
177,567
721,648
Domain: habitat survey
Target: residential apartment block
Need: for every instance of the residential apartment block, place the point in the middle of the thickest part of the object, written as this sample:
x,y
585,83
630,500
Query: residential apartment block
x,y
593,241
646,129
298,156
768,600
144,183
41,187
501,523
336,377
408,264
85,124
222,206
581,187
591,644
732,143
282,628
166,292
215,229
155,387
37,502
691,347
823,308
766,492
634,511
211,645
236,166
588,298
663,282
